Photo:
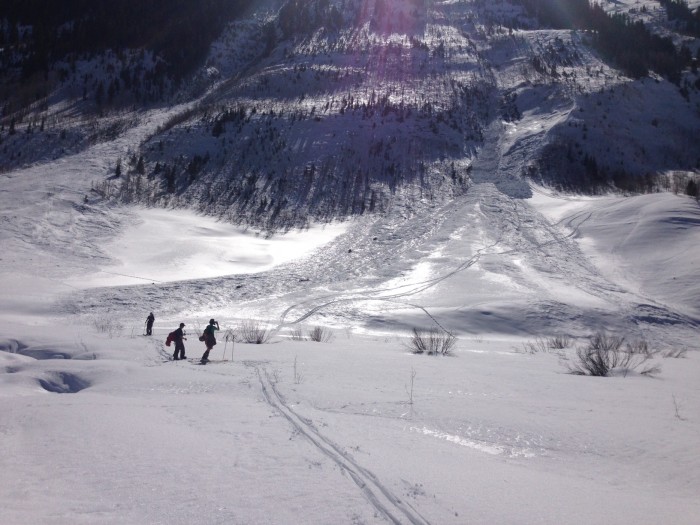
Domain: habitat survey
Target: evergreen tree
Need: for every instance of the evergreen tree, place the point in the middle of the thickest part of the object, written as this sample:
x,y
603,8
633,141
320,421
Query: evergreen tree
x,y
140,168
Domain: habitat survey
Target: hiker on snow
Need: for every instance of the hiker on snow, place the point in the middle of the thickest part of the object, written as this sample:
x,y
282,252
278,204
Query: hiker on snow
x,y
149,323
179,337
209,339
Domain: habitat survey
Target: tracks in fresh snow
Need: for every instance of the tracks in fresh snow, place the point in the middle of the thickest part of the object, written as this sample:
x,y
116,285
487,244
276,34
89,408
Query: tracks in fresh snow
x,y
387,503
394,295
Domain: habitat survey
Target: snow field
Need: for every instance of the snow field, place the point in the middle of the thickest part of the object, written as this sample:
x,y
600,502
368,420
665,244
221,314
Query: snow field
x,y
326,431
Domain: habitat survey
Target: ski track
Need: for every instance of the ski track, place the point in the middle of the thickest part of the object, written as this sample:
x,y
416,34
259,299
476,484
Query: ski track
x,y
379,495
524,229
414,289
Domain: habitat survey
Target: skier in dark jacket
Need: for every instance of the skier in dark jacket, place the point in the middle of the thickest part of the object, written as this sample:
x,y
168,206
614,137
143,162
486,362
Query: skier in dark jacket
x,y
179,337
209,338
149,323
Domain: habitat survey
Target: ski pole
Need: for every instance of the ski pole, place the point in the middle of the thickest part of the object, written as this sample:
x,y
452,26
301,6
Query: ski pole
x,y
228,337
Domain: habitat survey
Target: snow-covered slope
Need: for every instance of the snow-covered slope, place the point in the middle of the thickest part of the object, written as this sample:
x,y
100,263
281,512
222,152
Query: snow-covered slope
x,y
328,110
617,234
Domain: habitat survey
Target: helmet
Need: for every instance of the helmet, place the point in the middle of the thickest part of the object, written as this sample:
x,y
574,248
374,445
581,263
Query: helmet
x,y
182,324
211,321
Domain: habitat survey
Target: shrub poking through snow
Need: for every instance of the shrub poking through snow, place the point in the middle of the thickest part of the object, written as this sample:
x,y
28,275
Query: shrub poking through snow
x,y
431,342
543,345
230,335
320,334
559,342
605,353
252,332
107,325
642,348
534,347
674,353
297,334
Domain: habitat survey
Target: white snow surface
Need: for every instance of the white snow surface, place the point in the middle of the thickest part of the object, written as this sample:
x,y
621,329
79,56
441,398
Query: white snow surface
x,y
168,246
100,426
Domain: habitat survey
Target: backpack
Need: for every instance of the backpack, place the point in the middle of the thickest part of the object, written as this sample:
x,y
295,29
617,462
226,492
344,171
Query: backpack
x,y
170,339
208,336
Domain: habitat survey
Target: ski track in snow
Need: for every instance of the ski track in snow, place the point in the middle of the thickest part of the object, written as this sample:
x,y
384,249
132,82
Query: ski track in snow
x,y
393,508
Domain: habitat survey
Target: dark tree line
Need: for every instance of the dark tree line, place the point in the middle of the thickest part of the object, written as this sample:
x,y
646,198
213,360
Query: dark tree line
x,y
630,45
179,31
304,17
679,12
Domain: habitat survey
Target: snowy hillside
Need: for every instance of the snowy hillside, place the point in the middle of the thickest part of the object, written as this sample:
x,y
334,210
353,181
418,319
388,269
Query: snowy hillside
x,y
424,148
325,110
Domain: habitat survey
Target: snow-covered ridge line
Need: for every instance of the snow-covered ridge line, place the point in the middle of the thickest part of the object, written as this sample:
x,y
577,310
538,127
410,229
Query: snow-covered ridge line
x,y
321,112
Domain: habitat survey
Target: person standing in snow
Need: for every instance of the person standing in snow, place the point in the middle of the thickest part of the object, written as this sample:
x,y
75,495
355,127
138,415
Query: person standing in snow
x,y
149,323
209,338
179,337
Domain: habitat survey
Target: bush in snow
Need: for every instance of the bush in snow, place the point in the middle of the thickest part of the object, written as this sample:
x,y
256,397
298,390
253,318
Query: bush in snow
x,y
431,342
320,334
540,344
559,342
317,334
641,347
251,331
230,335
605,353
676,353
106,325
536,346
297,334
